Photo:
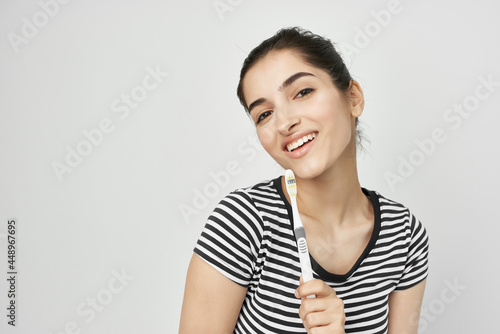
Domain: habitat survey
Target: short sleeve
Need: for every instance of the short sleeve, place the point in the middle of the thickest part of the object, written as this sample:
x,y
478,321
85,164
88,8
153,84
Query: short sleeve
x,y
231,238
416,267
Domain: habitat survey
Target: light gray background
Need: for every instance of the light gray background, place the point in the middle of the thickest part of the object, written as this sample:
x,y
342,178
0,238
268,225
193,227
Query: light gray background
x,y
119,210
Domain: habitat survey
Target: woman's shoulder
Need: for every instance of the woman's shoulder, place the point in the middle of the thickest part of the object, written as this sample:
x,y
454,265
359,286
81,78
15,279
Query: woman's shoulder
x,y
386,204
263,191
393,213
253,204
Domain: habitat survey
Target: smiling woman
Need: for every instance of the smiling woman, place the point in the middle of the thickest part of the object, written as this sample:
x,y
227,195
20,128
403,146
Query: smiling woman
x,y
368,253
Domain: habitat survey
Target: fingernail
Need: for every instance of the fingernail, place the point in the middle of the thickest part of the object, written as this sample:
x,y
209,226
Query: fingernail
x,y
297,293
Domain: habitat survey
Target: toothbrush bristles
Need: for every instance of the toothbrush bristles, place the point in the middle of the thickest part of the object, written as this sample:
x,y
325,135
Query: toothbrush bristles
x,y
291,184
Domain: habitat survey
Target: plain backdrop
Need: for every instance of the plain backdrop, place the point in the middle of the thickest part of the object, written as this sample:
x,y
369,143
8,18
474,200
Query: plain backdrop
x,y
120,131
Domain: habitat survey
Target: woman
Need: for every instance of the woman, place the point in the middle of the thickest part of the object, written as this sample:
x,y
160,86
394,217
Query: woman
x,y
368,253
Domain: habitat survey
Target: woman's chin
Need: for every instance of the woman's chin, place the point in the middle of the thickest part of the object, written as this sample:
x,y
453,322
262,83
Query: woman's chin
x,y
308,172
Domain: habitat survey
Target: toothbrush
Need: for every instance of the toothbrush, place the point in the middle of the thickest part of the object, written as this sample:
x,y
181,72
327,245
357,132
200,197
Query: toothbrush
x,y
300,234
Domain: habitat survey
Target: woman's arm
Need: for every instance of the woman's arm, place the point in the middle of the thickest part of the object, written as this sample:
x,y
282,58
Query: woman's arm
x,y
404,309
212,302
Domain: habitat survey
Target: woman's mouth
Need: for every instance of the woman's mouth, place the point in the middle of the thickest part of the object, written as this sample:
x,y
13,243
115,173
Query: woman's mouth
x,y
301,141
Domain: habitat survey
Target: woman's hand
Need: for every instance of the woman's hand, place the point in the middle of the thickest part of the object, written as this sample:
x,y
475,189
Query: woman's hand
x,y
323,314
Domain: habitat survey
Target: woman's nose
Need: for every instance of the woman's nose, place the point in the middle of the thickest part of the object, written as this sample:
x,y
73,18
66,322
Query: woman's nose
x,y
286,120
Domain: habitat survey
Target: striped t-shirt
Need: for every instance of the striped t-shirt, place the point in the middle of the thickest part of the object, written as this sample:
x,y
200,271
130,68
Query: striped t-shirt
x,y
249,238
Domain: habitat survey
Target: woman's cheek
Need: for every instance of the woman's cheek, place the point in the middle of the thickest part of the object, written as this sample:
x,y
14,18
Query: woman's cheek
x,y
265,135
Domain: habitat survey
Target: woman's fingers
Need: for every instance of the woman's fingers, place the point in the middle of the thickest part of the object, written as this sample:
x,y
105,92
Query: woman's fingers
x,y
315,312
315,286
325,312
322,311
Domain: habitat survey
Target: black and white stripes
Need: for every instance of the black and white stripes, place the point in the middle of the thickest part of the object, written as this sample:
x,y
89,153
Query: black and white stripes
x,y
249,239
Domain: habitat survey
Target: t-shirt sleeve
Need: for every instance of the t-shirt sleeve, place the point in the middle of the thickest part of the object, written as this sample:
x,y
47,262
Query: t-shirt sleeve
x,y
417,266
231,238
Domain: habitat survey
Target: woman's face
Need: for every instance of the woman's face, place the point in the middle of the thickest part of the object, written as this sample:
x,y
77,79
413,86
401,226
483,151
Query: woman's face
x,y
301,118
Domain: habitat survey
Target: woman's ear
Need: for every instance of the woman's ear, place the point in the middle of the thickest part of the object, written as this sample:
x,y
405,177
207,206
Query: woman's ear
x,y
357,100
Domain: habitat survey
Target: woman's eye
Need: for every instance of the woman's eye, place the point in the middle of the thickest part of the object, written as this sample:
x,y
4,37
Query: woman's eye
x,y
304,92
262,116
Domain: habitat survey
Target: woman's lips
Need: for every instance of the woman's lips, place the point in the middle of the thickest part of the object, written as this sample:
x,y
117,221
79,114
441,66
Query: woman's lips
x,y
301,141
302,150
293,140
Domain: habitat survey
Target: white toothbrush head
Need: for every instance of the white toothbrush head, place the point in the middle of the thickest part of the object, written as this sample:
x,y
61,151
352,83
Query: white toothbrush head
x,y
291,184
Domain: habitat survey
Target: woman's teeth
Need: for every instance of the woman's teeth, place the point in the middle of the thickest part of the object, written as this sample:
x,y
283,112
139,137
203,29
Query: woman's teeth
x,y
292,146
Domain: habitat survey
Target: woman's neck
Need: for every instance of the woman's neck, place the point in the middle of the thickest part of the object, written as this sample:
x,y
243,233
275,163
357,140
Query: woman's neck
x,y
334,198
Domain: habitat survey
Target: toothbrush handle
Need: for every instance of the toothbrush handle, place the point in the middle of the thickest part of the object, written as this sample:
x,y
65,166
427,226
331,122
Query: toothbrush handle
x,y
305,261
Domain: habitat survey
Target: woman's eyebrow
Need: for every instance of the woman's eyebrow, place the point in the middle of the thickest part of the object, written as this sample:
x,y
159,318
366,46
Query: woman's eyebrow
x,y
284,85
292,78
256,103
